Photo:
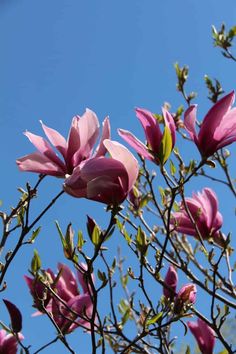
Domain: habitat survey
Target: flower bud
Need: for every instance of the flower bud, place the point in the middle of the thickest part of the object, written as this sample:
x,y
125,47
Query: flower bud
x,y
186,296
135,198
205,336
171,281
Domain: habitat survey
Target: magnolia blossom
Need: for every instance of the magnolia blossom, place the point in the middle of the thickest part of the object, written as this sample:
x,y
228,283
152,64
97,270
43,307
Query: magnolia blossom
x,y
65,286
78,147
204,335
104,179
186,296
218,128
159,145
203,207
8,342
171,280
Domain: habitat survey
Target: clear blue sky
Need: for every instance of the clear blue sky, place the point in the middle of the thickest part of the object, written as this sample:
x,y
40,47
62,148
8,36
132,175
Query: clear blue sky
x,y
59,57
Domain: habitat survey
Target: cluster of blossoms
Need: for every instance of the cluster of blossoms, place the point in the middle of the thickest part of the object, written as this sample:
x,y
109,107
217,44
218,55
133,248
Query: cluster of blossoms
x,y
184,297
204,334
69,308
89,173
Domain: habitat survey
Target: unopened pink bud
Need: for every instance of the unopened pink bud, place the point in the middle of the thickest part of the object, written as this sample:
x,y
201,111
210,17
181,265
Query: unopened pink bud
x,y
186,296
171,281
205,336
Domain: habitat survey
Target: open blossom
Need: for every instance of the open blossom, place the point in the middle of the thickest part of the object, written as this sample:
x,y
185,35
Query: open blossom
x,y
204,335
203,207
186,296
171,280
78,147
8,342
159,145
218,128
104,179
65,286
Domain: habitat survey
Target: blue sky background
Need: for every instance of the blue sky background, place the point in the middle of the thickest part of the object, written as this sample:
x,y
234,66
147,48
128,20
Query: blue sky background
x,y
59,57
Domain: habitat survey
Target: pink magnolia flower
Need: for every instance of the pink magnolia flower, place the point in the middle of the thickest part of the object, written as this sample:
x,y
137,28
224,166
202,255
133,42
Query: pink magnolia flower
x,y
204,335
203,207
171,280
65,286
103,179
8,342
78,147
159,145
186,296
218,128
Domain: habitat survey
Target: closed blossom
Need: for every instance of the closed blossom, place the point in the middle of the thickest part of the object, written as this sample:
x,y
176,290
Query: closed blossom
x,y
218,128
171,282
159,144
8,342
204,334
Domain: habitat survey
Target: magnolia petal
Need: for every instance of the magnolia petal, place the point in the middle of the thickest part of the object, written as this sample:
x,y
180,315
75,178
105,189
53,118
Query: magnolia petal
x,y
73,142
225,142
105,190
102,166
169,122
214,118
151,128
211,206
204,335
135,143
9,343
75,192
171,280
122,154
56,139
66,285
208,336
44,148
227,126
88,127
190,121
82,278
39,163
106,134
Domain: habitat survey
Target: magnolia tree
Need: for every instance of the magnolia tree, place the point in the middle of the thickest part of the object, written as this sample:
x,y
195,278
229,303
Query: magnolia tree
x,y
174,240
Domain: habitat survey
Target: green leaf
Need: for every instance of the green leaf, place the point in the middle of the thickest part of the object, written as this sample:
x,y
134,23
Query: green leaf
x,y
69,238
60,234
144,201
96,235
35,234
176,206
166,146
80,241
123,231
124,280
141,241
172,168
154,319
188,350
36,262
101,275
